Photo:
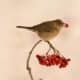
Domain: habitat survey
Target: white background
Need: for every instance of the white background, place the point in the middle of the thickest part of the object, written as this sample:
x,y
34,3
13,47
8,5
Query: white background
x,y
15,44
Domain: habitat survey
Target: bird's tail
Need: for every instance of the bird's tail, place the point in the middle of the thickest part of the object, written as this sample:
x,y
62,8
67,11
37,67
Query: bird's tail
x,y
24,27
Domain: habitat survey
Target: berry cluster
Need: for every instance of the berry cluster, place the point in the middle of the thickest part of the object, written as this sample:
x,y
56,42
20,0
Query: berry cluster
x,y
53,59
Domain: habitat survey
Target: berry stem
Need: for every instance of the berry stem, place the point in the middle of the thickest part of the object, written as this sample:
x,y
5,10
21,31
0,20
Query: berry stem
x,y
48,51
50,44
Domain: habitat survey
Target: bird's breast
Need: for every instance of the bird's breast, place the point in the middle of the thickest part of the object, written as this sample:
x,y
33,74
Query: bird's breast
x,y
48,35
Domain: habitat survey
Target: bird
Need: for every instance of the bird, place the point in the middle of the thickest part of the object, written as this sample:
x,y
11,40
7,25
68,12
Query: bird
x,y
48,29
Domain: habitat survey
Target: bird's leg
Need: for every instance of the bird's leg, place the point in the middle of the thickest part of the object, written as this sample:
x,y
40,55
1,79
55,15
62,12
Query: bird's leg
x,y
51,46
28,60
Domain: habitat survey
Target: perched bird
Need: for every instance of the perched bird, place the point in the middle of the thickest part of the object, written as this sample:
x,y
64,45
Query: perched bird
x,y
48,29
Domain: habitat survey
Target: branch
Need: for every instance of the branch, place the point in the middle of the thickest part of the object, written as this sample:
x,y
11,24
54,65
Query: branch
x,y
53,48
28,60
56,52
48,51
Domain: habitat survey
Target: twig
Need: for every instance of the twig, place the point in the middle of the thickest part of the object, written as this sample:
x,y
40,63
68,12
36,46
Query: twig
x,y
52,46
27,66
56,52
48,51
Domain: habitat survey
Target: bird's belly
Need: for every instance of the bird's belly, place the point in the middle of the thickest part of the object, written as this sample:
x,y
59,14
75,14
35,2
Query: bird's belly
x,y
47,35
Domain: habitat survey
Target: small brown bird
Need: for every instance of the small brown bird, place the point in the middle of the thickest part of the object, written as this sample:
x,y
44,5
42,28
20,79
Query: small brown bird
x,y
47,30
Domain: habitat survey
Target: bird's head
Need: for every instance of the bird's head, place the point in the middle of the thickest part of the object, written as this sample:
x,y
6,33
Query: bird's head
x,y
60,23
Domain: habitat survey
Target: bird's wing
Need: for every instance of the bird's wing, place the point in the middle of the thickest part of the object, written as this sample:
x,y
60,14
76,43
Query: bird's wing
x,y
43,27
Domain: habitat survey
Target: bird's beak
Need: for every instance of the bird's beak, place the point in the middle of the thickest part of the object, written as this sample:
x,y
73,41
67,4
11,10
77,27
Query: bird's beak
x,y
66,25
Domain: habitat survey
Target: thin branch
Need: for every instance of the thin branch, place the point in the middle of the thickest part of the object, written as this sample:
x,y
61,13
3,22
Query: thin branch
x,y
56,52
50,44
48,50
28,60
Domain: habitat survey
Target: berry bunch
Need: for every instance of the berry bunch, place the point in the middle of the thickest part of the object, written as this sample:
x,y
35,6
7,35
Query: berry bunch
x,y
51,60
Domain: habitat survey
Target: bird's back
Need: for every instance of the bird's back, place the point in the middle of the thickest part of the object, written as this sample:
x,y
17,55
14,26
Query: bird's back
x,y
43,27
